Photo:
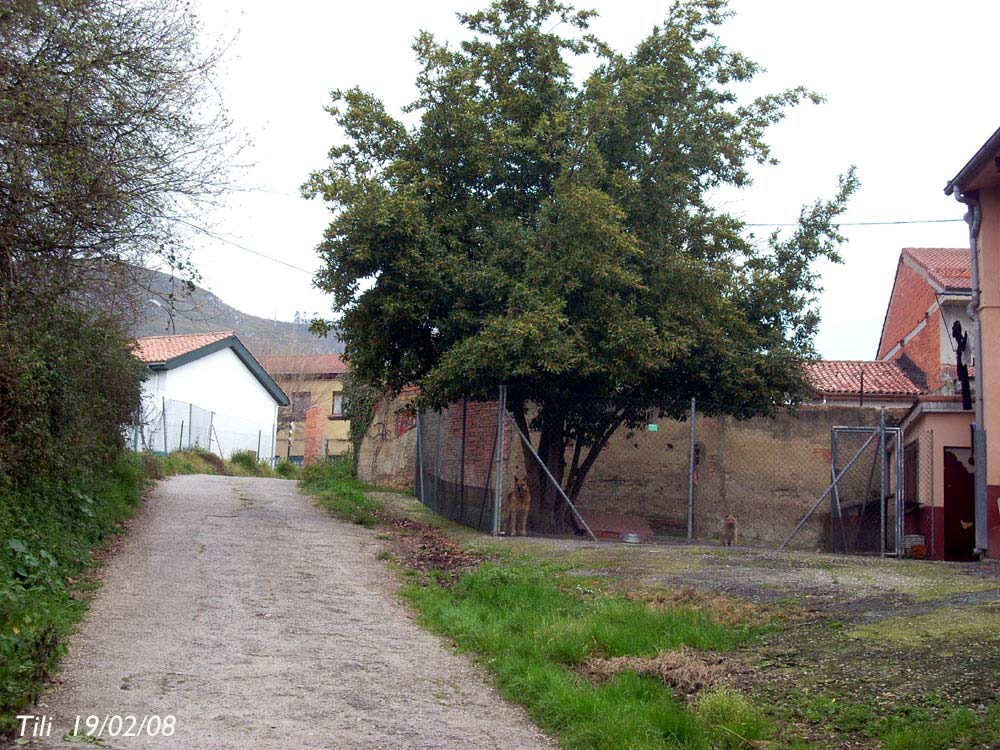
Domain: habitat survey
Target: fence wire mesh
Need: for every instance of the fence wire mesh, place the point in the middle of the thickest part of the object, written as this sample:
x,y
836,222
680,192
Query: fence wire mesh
x,y
456,463
713,477
922,532
172,425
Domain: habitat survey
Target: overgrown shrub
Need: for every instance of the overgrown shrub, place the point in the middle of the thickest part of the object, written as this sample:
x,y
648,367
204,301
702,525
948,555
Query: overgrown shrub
x,y
287,470
40,554
246,459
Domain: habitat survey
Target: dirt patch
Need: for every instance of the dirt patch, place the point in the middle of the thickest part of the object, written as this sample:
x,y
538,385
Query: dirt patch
x,y
723,610
424,548
685,670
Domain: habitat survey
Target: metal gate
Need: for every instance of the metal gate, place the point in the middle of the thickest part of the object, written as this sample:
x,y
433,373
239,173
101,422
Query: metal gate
x,y
866,491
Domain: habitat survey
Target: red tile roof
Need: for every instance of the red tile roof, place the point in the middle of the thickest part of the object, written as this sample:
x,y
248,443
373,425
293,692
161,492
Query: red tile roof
x,y
949,268
843,378
159,349
309,364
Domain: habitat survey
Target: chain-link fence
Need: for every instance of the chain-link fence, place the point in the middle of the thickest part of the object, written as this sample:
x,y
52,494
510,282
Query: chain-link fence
x,y
762,481
171,425
923,535
456,473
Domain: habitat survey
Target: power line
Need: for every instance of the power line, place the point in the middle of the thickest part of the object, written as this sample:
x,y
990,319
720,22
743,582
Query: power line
x,y
250,250
863,223
271,258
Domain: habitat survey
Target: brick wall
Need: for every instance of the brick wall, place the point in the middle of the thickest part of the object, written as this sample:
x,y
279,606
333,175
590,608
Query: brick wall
x,y
315,426
912,297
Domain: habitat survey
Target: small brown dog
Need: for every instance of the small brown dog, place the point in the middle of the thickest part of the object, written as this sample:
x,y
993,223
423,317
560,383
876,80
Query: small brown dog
x,y
730,531
515,509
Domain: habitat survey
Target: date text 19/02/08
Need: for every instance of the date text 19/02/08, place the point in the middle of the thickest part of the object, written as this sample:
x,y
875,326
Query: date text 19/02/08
x,y
108,725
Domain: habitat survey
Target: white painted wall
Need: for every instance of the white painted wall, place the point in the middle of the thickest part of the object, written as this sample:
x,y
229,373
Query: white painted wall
x,y
219,383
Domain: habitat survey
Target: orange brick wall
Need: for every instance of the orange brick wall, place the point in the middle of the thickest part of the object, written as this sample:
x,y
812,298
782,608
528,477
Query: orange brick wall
x,y
315,427
912,296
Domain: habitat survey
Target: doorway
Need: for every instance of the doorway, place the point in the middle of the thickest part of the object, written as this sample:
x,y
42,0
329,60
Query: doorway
x,y
959,504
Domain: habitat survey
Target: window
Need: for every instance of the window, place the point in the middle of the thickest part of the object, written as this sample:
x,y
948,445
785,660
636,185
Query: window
x,y
338,405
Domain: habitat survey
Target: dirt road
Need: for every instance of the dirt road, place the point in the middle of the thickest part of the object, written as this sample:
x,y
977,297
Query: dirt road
x,y
256,620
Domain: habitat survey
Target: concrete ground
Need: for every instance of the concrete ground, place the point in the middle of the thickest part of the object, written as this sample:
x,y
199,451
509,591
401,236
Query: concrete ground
x,y
255,620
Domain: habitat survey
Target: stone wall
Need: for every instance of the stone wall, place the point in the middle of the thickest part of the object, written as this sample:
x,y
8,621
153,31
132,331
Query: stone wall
x,y
388,451
766,472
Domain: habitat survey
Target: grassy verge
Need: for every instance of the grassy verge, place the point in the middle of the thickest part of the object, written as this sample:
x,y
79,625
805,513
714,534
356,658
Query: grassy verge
x,y
45,555
199,461
543,640
586,638
557,646
341,493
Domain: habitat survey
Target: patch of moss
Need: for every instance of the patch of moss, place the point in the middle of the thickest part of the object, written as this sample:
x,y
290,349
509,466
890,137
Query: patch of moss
x,y
947,624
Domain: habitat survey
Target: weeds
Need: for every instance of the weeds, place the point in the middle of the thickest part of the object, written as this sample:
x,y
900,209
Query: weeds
x,y
340,492
42,556
534,635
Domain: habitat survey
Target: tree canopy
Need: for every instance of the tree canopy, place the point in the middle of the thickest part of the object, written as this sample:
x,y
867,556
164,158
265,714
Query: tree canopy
x,y
559,237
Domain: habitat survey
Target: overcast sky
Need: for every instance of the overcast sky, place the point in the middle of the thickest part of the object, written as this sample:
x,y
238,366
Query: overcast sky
x,y
910,90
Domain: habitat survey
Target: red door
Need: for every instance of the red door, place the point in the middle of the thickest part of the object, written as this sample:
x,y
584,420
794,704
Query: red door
x,y
959,504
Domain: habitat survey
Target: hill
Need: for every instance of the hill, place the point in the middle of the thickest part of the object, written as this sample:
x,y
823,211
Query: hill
x,y
197,310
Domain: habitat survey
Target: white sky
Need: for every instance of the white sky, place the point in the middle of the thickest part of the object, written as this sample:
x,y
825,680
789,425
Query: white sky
x,y
910,88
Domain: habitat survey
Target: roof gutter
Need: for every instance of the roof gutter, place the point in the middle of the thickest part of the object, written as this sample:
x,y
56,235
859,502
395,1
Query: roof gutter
x,y
974,217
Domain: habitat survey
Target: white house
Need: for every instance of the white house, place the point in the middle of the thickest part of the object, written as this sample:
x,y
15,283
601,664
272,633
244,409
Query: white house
x,y
206,390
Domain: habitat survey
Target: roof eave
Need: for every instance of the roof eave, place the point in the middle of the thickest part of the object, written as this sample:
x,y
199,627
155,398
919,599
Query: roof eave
x,y
244,355
981,158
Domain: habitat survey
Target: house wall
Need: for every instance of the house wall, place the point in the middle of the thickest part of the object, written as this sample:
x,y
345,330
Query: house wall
x,y
988,371
219,382
336,430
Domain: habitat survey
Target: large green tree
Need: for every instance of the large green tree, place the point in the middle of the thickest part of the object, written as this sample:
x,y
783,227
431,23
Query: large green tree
x,y
559,237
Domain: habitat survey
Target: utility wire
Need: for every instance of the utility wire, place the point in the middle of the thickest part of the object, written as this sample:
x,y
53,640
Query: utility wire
x,y
259,254
271,258
863,223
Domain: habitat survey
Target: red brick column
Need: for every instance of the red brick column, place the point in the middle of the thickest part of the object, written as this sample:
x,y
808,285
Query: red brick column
x,y
315,427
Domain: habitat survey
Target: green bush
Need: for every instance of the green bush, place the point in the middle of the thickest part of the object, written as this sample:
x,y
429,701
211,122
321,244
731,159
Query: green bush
x,y
39,555
730,720
246,459
287,470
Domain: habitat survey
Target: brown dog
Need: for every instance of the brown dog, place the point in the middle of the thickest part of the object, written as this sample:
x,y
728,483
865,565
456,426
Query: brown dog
x,y
730,531
515,509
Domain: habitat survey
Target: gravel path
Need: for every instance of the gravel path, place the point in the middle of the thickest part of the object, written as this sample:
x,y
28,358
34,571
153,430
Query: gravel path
x,y
257,620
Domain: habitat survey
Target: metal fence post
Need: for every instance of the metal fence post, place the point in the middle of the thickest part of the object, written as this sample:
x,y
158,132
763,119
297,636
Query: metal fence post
x,y
461,469
933,497
211,421
418,482
190,423
691,430
164,415
180,440
900,493
437,461
258,443
883,484
498,484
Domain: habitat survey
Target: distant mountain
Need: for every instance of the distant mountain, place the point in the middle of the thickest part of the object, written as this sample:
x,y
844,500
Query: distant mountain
x,y
198,311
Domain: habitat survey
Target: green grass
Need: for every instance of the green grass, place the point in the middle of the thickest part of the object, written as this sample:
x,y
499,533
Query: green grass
x,y
186,462
200,461
531,633
337,490
46,543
